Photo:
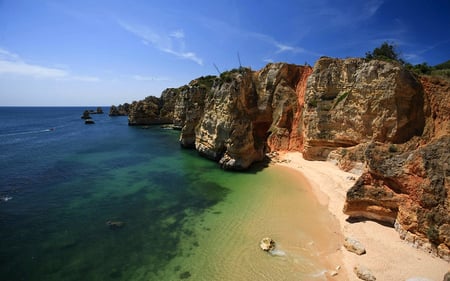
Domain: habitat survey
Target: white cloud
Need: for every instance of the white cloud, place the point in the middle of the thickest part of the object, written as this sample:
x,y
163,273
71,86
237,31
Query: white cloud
x,y
172,43
6,55
22,68
12,64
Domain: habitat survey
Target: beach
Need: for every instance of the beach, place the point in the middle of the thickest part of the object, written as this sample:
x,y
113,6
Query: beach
x,y
387,256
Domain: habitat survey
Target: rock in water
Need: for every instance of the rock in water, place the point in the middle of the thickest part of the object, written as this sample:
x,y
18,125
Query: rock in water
x,y
267,244
115,224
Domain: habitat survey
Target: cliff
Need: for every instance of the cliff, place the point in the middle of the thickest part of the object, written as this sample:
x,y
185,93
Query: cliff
x,y
374,118
409,184
349,102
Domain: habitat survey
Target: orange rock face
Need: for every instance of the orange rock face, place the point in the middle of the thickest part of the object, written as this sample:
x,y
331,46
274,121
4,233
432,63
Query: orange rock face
x,y
409,184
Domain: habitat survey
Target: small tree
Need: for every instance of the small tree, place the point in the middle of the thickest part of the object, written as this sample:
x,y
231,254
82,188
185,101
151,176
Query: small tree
x,y
385,52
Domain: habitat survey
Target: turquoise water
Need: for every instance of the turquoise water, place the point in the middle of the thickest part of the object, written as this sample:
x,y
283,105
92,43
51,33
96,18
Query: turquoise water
x,y
181,217
62,180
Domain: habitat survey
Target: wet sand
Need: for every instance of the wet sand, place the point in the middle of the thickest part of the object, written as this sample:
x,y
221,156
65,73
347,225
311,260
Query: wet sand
x,y
388,257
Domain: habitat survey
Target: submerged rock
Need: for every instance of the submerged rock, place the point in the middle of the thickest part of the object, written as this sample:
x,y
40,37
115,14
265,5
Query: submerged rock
x,y
115,224
267,244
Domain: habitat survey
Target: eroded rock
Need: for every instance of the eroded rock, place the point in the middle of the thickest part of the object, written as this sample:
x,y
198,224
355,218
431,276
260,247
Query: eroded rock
x,y
364,273
353,101
354,246
267,244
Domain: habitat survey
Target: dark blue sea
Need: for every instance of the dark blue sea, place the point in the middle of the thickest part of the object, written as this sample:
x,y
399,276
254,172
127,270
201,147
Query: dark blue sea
x,y
177,215
62,180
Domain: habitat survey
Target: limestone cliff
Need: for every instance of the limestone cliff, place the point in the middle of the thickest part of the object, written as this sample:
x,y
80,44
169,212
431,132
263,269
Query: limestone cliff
x,y
249,113
189,108
409,184
353,101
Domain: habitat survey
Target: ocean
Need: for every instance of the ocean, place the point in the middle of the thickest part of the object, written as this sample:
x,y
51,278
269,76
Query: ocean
x,y
112,202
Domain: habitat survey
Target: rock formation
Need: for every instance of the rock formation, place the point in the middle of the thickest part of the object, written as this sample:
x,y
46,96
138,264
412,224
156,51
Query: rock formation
x,y
120,110
352,101
267,244
408,184
374,117
364,273
354,246
189,108
152,110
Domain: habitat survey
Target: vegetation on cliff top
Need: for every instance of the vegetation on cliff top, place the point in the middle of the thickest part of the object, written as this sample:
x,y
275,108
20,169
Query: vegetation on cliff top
x,y
386,52
389,52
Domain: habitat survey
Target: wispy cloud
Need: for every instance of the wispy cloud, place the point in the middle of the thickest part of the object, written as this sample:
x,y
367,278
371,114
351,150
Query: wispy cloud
x,y
416,56
172,43
280,47
12,64
149,78
340,13
223,27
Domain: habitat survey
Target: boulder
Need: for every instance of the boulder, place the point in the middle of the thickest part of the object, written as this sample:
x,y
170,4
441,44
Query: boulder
x,y
354,246
447,276
267,244
364,273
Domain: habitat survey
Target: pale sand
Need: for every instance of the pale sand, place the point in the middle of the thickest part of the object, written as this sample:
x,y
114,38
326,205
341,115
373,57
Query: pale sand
x,y
388,257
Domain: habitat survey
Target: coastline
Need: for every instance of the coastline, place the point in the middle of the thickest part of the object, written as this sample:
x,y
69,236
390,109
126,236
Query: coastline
x,y
388,257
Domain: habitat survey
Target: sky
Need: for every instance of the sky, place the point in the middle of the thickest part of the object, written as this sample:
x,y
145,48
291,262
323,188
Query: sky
x,y
94,53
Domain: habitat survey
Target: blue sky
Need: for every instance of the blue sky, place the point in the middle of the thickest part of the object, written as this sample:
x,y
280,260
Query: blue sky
x,y
79,52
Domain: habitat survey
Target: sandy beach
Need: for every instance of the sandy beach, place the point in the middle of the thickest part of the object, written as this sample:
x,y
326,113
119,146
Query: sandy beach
x,y
387,256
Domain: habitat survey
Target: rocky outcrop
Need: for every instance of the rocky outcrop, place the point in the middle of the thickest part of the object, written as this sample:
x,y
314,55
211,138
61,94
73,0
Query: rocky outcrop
x,y
286,87
120,110
153,110
354,101
408,184
225,131
249,113
409,188
189,108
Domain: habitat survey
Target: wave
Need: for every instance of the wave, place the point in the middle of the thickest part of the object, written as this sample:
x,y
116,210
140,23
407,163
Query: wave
x,y
27,132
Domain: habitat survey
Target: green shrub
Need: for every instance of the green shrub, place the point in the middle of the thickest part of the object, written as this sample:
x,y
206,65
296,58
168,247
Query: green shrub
x,y
393,148
312,103
386,52
433,235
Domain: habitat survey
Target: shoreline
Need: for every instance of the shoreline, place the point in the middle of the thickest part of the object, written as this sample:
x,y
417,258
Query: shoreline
x,y
388,257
